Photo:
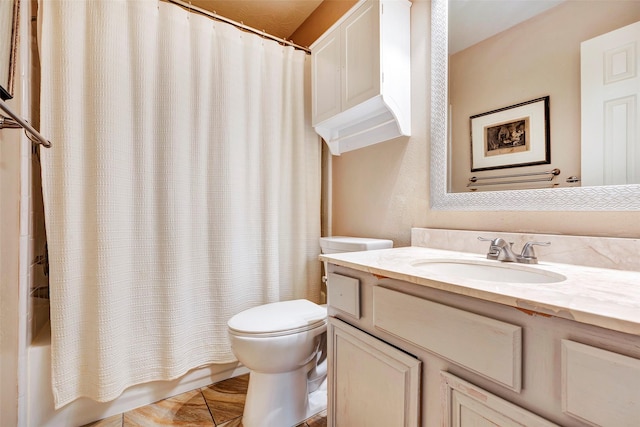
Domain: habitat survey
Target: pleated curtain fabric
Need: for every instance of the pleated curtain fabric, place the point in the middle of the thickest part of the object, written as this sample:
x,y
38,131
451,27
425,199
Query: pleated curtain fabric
x,y
183,186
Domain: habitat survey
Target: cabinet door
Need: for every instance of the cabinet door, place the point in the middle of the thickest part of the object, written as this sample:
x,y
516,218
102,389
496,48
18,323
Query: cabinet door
x,y
361,55
600,387
371,383
466,405
325,75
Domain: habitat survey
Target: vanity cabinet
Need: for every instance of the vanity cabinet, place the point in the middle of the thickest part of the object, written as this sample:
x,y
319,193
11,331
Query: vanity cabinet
x,y
360,73
481,363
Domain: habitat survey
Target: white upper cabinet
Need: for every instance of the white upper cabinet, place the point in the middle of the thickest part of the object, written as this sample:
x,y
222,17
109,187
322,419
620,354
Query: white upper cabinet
x,y
361,75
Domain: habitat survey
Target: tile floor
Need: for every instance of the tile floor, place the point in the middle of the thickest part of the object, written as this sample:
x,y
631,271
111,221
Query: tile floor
x,y
217,405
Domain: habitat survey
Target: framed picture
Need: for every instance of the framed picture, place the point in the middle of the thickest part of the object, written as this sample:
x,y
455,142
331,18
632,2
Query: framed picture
x,y
511,137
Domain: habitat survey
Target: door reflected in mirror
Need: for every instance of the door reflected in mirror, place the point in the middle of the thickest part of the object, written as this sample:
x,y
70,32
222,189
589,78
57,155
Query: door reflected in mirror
x,y
8,45
529,52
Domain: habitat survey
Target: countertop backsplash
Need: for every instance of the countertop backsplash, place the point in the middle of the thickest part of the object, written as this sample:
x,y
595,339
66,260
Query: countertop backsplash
x,y
601,252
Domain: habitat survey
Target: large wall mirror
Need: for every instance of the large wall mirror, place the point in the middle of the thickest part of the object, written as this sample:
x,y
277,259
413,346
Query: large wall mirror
x,y
504,99
8,45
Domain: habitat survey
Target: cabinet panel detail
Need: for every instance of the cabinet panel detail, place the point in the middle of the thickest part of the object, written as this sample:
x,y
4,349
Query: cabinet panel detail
x,y
371,383
600,387
326,69
361,56
466,405
343,293
483,345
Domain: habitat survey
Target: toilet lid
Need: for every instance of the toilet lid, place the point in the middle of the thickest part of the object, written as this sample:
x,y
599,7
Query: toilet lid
x,y
286,316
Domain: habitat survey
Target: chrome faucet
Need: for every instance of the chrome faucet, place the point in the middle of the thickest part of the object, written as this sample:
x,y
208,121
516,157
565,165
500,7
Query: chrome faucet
x,y
500,250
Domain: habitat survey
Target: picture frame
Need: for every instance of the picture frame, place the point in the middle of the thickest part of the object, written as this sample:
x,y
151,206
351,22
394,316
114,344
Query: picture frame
x,y
510,137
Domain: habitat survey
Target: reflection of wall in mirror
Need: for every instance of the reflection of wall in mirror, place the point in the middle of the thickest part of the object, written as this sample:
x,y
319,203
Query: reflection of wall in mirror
x,y
6,21
538,57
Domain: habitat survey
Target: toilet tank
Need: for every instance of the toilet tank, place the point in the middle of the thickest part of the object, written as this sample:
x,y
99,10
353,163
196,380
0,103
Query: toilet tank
x,y
337,244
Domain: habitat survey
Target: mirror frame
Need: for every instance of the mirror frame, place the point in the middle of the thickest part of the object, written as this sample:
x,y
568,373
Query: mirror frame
x,y
7,92
600,198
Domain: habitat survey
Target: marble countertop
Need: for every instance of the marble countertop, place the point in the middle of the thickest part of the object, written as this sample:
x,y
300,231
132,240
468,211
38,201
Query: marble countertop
x,y
595,296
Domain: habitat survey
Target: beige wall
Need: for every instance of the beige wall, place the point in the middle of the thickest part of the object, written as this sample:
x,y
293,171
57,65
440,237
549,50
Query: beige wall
x,y
383,190
9,274
15,240
17,231
540,57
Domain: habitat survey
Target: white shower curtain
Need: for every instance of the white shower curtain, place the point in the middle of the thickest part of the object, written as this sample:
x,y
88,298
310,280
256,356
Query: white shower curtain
x,y
183,186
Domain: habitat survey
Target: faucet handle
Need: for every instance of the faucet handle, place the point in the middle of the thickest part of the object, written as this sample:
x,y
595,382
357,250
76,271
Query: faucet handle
x,y
528,255
493,249
494,242
496,246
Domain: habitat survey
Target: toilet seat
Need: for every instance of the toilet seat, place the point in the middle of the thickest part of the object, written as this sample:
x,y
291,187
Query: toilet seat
x,y
277,319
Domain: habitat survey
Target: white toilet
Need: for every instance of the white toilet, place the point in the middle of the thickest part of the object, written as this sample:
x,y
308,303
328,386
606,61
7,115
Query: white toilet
x,y
283,344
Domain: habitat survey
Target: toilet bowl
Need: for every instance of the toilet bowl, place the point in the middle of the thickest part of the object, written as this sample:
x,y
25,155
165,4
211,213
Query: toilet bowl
x,y
279,343
283,345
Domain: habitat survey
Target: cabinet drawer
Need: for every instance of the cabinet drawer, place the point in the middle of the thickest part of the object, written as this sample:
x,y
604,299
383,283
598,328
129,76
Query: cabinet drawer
x,y
599,387
343,293
486,346
468,405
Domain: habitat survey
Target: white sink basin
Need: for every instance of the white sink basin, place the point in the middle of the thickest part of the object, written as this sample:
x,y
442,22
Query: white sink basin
x,y
489,271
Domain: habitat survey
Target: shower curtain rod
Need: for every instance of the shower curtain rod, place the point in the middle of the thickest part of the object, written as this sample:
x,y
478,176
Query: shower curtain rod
x,y
240,25
16,122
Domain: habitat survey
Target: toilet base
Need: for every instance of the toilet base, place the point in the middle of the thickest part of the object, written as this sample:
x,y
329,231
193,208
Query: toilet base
x,y
276,400
317,400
